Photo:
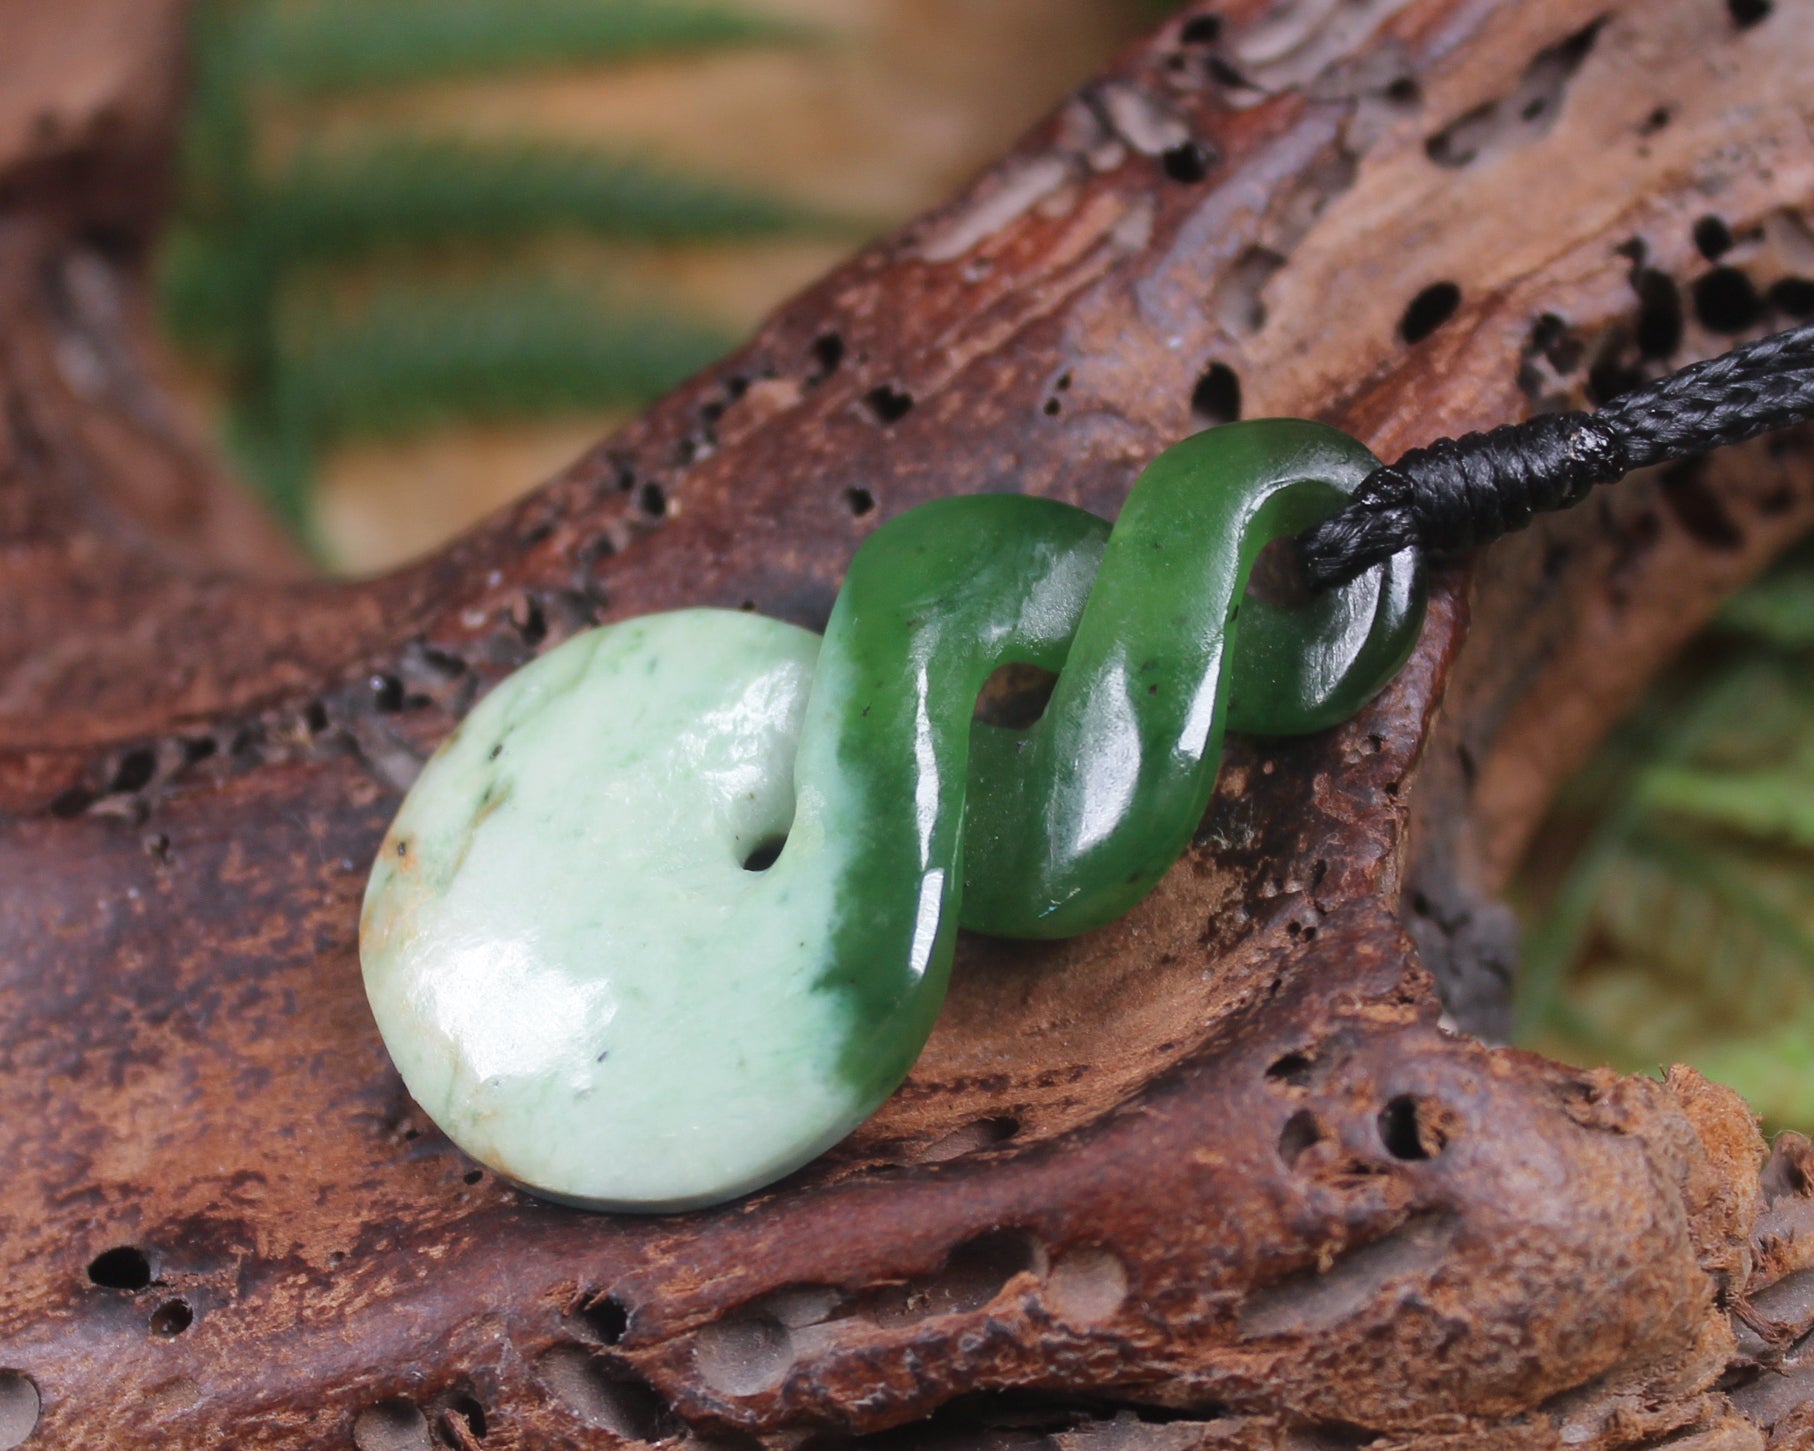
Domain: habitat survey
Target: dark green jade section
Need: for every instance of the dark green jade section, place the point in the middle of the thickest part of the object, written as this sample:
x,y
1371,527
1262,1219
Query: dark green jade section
x,y
1058,829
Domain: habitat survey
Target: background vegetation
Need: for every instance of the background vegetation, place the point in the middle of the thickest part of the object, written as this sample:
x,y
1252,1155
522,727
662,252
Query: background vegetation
x,y
1682,927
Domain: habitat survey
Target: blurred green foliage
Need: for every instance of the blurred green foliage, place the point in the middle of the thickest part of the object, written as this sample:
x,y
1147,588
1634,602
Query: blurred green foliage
x,y
1681,928
304,275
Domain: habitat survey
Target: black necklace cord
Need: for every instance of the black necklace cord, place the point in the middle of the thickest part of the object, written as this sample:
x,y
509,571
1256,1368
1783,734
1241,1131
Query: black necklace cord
x,y
1459,492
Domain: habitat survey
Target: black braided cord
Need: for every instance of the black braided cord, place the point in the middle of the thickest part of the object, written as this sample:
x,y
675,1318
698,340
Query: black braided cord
x,y
1459,492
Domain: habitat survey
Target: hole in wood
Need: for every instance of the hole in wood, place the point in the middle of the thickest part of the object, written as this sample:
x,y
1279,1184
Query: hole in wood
x,y
1612,371
1429,310
66,805
1712,237
973,1275
531,622
1189,161
468,1409
1301,1130
828,352
861,501
602,1318
394,1425
1087,1285
743,1355
1521,116
601,1396
1410,1130
1793,296
1725,301
1239,304
1746,13
172,1317
1217,396
122,1268
19,1407
135,770
1293,1068
1659,330
1314,1299
982,1133
889,405
390,1426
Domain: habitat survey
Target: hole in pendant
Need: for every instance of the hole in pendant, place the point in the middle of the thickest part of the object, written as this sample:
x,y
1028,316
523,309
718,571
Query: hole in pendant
x,y
763,855
124,1268
1277,577
1015,696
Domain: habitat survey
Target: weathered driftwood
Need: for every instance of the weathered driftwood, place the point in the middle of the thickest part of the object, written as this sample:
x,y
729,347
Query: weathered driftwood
x,y
1219,1176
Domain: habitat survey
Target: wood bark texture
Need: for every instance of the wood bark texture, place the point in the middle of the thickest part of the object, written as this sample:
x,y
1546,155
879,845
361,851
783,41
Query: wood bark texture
x,y
1221,1176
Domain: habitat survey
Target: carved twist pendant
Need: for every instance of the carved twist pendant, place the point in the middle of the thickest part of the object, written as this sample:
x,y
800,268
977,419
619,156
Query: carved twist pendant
x,y
584,962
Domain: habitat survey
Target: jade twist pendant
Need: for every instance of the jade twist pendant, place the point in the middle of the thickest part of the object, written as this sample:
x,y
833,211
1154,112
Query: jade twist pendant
x,y
583,951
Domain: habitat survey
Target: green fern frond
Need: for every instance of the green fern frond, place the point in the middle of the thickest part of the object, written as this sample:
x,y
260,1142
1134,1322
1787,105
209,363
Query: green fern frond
x,y
397,192
1685,928
277,456
1768,805
214,155
1709,915
423,357
402,190
1613,794
1778,609
247,274
318,47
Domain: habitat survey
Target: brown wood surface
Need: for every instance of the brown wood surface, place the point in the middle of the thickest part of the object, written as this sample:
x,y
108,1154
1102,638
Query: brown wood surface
x,y
1222,1175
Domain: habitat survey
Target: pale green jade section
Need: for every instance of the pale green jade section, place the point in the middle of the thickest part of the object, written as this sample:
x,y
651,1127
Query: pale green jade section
x,y
576,976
